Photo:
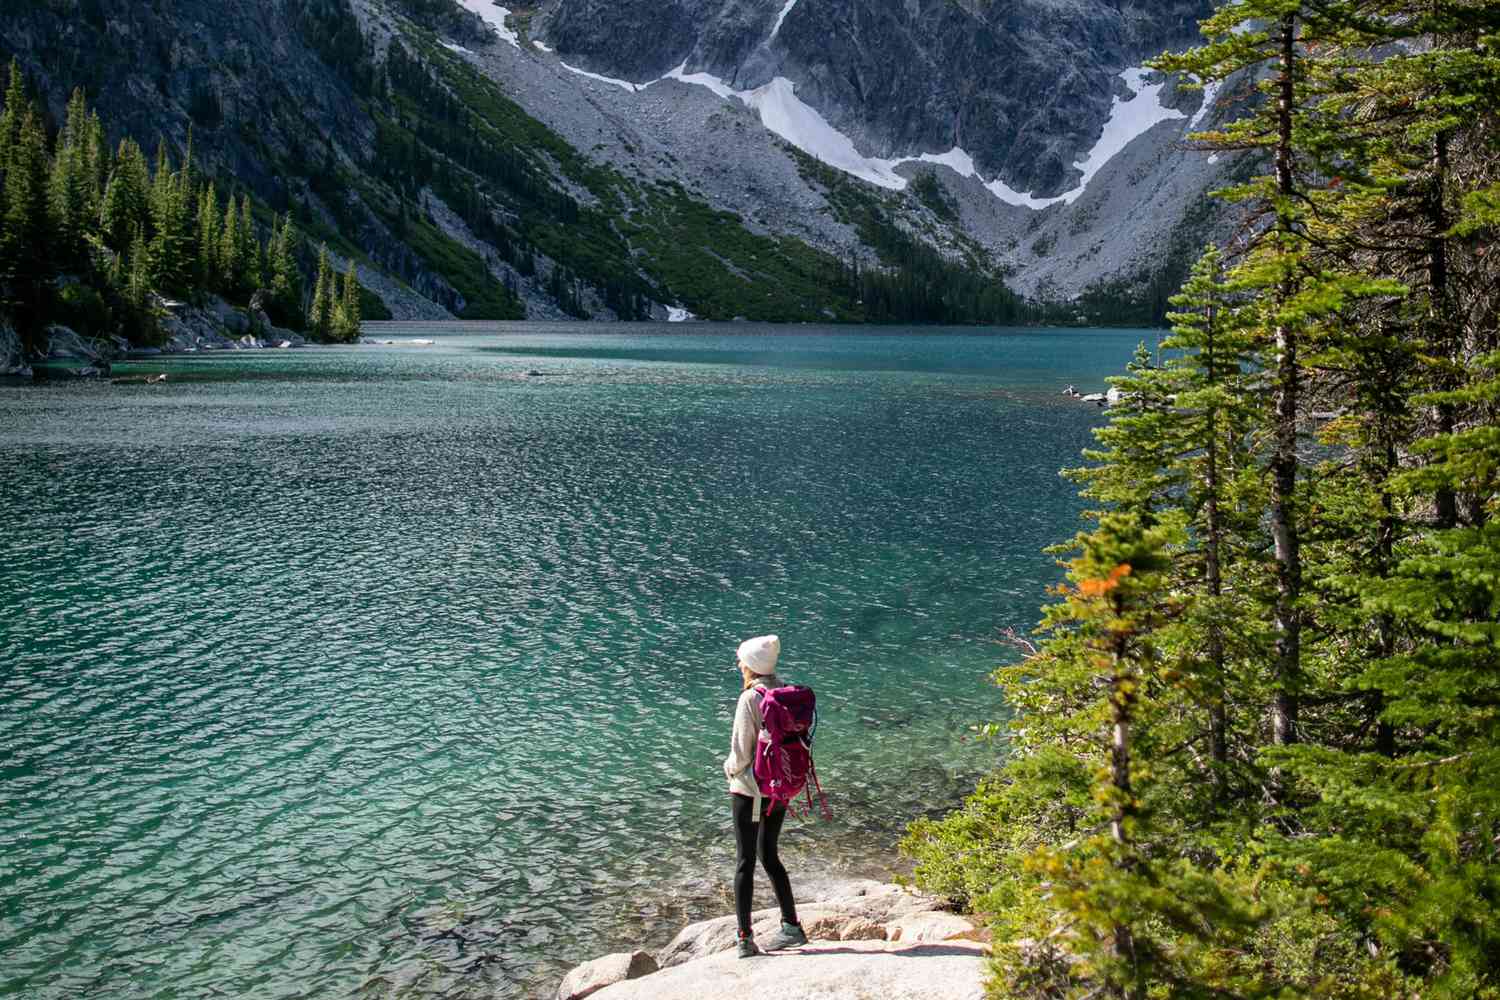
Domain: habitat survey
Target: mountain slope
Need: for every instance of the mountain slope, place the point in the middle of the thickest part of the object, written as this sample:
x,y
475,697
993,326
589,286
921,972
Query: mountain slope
x,y
473,172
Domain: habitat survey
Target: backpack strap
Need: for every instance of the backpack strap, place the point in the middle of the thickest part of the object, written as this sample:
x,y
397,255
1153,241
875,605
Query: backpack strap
x,y
755,816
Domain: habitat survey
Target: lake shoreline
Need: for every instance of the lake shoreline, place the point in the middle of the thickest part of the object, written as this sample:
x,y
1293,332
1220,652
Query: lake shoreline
x,y
427,688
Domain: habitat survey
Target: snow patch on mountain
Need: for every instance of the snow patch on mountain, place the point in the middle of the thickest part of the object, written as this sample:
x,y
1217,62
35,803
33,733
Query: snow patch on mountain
x,y
1129,119
455,47
788,116
783,113
707,80
495,16
785,10
800,124
612,81
1210,99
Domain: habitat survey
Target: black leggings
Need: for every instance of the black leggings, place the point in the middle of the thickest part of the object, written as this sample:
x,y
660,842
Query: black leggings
x,y
754,839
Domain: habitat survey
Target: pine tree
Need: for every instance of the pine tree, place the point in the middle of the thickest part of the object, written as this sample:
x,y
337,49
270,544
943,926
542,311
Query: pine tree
x,y
1208,379
1359,812
320,315
349,308
250,249
210,239
25,249
16,103
126,208
70,189
285,279
172,259
1413,852
138,281
230,259
1295,300
97,164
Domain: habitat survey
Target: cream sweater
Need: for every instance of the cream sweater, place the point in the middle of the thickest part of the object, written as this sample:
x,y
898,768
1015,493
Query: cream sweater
x,y
739,766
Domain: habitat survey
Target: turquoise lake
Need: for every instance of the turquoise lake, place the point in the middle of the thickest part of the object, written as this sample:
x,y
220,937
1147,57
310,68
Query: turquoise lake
x,y
406,670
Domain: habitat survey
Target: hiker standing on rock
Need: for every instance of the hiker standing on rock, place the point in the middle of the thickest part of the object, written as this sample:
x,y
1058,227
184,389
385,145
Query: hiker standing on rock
x,y
757,819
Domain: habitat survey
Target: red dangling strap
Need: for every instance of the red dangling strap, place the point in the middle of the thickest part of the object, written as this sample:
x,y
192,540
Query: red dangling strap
x,y
822,799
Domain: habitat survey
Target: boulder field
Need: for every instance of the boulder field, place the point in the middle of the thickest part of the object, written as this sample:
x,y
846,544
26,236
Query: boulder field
x,y
868,939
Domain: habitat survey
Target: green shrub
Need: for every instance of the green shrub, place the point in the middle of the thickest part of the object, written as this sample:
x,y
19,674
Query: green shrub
x,y
84,309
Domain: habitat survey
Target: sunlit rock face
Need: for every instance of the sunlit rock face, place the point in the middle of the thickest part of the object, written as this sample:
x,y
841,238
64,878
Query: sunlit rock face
x,y
1025,88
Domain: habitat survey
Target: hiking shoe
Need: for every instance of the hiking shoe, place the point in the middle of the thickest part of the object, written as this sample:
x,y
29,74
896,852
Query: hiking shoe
x,y
790,936
747,947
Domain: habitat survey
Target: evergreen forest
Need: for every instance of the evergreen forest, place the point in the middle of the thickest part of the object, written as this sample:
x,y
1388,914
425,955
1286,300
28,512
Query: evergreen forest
x,y
93,237
1255,749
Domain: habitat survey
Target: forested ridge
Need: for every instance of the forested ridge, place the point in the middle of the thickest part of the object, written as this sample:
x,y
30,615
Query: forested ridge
x,y
92,236
1256,741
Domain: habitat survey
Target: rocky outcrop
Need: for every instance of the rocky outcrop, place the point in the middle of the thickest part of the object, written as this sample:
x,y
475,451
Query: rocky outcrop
x,y
822,970
13,361
66,344
218,326
591,977
857,911
70,353
864,938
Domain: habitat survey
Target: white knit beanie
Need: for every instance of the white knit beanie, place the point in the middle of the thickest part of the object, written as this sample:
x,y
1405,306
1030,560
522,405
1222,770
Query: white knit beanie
x,y
760,653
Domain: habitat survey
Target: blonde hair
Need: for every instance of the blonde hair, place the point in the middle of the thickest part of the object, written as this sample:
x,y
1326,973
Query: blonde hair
x,y
752,678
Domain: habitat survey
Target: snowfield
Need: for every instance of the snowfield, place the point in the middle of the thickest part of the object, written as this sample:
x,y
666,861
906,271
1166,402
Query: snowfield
x,y
784,113
495,16
1128,120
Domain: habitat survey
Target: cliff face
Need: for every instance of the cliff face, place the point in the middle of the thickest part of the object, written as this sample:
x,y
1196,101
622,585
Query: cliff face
x,y
1024,87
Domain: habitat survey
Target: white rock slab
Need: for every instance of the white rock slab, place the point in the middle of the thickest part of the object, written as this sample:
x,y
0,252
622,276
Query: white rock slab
x,y
591,977
934,925
952,970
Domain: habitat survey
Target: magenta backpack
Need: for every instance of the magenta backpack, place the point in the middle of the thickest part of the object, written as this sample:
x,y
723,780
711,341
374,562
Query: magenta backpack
x,y
783,754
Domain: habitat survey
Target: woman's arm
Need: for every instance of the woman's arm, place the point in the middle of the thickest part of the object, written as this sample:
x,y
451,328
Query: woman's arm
x,y
742,739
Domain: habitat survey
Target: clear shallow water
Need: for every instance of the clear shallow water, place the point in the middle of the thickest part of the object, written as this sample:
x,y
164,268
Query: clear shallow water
x,y
395,671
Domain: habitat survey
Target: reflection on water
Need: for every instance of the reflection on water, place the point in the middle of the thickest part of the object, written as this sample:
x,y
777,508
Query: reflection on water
x,y
398,670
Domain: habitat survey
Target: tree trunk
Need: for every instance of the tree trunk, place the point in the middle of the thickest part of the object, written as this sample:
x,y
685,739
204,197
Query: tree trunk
x,y
1218,721
1385,547
1444,337
1284,460
1122,698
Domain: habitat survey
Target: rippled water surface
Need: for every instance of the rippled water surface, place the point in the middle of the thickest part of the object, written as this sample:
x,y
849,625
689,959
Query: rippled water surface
x,y
403,671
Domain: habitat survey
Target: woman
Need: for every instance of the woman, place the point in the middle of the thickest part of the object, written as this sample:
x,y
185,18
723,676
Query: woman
x,y
757,826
